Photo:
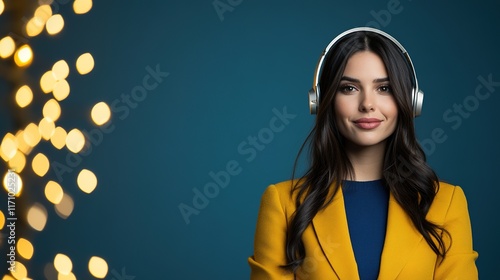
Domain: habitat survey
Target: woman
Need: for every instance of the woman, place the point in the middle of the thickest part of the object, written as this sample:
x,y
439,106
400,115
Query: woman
x,y
368,207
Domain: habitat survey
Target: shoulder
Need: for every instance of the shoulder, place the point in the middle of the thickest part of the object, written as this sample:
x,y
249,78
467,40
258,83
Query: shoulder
x,y
448,198
280,195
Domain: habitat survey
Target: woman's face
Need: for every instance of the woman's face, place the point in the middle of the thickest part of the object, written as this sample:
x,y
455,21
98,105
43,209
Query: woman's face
x,y
366,112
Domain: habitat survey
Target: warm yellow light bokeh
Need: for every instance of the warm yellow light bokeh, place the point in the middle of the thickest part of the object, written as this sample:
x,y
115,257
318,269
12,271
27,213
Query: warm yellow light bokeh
x,y
51,110
7,47
58,139
46,128
70,276
75,140
53,192
44,12
12,183
82,6
86,180
24,96
60,70
2,219
9,145
40,164
63,264
61,90
65,207
100,113
20,273
34,27
54,24
98,267
18,162
37,217
25,248
31,135
21,143
23,56
47,82
2,6
85,63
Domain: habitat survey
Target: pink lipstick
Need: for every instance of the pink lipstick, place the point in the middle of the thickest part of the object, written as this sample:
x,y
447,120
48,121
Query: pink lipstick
x,y
367,123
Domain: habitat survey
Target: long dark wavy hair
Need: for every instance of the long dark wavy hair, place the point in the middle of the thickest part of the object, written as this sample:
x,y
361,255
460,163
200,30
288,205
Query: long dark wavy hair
x,y
405,171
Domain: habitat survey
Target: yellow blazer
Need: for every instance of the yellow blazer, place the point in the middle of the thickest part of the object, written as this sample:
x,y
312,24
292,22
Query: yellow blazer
x,y
329,254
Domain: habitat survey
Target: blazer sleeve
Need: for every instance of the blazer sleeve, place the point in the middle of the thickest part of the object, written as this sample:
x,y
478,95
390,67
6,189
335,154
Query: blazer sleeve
x,y
270,239
459,262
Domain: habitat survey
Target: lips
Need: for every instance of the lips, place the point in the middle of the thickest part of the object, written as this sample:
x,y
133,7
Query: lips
x,y
367,123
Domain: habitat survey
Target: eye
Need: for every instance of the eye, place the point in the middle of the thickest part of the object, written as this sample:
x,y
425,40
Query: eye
x,y
347,89
385,88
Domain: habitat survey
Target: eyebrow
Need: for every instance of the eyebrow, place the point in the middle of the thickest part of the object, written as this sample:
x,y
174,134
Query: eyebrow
x,y
353,80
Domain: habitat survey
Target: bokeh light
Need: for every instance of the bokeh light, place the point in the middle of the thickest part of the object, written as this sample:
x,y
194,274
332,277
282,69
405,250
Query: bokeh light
x,y
51,110
18,162
58,139
34,27
44,12
40,164
2,6
2,219
75,140
85,63
15,187
54,24
31,135
98,267
9,145
24,96
21,143
20,273
47,82
60,70
70,276
23,56
82,6
61,90
37,217
65,207
63,264
25,248
100,113
46,128
53,192
86,181
7,47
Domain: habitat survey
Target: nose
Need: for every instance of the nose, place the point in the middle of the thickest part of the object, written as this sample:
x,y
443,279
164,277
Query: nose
x,y
366,103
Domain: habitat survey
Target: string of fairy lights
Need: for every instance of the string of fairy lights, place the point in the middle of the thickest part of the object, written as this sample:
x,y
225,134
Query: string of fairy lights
x,y
18,149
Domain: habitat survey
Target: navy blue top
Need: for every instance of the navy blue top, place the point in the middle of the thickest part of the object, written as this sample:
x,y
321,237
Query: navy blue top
x,y
366,205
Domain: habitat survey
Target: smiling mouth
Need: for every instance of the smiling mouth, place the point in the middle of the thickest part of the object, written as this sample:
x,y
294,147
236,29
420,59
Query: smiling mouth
x,y
367,123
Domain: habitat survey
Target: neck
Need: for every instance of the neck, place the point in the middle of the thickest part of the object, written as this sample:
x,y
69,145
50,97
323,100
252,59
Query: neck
x,y
367,162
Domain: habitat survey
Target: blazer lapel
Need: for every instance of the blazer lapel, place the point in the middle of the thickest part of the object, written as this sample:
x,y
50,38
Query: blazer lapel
x,y
332,232
401,240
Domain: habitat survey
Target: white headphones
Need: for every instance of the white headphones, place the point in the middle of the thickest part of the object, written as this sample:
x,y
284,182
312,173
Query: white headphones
x,y
417,96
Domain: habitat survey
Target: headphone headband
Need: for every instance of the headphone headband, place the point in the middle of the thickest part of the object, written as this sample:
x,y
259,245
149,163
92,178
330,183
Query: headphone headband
x,y
416,95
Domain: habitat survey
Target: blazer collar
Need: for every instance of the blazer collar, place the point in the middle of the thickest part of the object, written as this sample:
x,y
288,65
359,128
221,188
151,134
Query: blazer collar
x,y
332,232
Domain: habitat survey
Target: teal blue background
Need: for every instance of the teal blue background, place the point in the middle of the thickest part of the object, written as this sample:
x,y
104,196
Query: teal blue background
x,y
225,78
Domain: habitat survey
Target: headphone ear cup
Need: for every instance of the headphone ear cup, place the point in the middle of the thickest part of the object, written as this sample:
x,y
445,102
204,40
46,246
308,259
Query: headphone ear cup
x,y
313,101
418,102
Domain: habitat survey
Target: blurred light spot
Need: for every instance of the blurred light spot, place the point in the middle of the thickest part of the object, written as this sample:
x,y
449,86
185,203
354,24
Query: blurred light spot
x,y
8,277
70,276
13,183
9,145
85,63
18,162
63,264
47,82
61,90
75,140
60,70
100,113
46,128
54,24
7,47
49,271
2,219
52,110
23,56
32,135
44,12
20,273
37,216
98,267
65,207
34,27
58,139
24,96
40,164
21,143
82,6
53,192
2,6
25,248
86,180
